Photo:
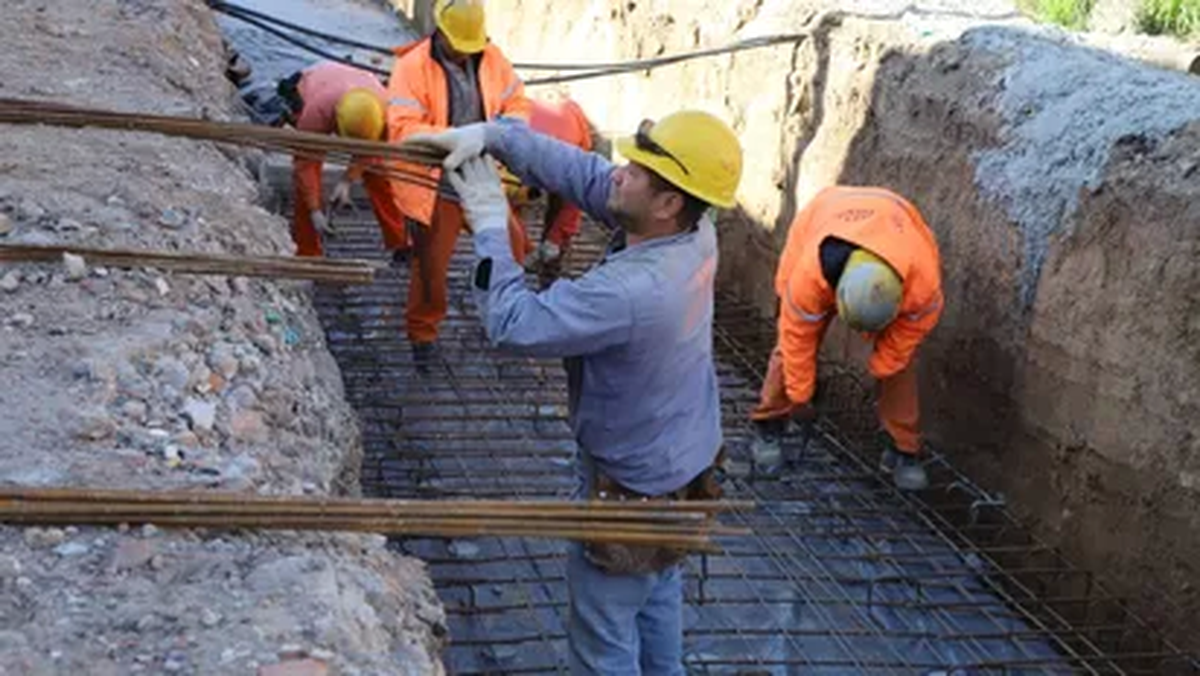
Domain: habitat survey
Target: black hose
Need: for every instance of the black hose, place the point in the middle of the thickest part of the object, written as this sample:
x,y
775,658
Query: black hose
x,y
583,71
306,46
229,8
604,70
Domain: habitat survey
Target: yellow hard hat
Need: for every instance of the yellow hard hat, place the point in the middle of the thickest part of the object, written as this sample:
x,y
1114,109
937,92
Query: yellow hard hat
x,y
463,24
869,292
360,115
692,150
517,192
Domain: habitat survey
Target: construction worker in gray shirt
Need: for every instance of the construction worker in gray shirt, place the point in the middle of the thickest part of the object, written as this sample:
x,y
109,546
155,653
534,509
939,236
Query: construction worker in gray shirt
x,y
636,333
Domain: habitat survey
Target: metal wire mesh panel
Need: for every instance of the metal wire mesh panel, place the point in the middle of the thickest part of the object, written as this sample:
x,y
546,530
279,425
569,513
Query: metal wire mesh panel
x,y
841,574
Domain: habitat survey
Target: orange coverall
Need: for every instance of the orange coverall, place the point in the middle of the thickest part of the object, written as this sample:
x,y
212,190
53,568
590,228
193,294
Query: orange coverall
x,y
889,226
419,101
566,122
321,87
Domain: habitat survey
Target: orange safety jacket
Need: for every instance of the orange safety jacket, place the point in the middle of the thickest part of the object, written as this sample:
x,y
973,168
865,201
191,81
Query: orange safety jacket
x,y
419,101
888,226
566,122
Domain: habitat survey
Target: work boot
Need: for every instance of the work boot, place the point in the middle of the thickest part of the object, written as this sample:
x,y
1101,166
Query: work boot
x,y
766,449
424,356
906,469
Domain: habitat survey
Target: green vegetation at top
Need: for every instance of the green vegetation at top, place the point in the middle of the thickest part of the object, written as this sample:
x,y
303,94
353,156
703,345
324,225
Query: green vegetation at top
x,y
1177,18
1071,14
1180,18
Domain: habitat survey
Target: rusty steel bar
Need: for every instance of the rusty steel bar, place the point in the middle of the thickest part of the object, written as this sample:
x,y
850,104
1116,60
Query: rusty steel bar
x,y
284,267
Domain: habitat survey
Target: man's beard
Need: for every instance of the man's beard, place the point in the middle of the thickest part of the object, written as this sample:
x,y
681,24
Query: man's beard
x,y
624,219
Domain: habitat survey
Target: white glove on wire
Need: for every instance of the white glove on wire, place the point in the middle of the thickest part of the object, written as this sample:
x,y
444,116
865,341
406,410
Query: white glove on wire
x,y
340,197
480,194
321,223
462,143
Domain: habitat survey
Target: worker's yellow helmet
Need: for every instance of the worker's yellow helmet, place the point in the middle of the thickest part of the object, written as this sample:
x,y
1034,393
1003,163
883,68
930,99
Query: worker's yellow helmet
x,y
517,192
360,115
869,292
463,24
692,150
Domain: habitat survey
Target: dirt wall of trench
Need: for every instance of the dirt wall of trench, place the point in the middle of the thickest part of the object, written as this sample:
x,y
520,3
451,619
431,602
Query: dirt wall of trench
x,y
144,379
1062,183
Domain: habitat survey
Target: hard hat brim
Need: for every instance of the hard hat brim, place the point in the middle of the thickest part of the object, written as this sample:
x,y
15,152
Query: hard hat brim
x,y
668,170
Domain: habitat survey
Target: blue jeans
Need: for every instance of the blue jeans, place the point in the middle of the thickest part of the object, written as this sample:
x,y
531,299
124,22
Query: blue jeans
x,y
622,624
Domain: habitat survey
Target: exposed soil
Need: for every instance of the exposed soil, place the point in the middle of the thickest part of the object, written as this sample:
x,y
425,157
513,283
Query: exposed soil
x,y
151,380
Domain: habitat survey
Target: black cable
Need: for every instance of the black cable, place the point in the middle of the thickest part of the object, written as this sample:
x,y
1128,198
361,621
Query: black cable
x,y
229,8
306,46
583,70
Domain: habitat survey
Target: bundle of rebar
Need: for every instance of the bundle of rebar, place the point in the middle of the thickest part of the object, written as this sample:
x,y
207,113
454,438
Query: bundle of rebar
x,y
317,269
298,143
687,525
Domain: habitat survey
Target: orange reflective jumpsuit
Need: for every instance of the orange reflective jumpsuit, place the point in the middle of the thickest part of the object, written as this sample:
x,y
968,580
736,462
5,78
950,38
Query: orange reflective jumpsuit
x,y
321,87
889,226
566,122
419,100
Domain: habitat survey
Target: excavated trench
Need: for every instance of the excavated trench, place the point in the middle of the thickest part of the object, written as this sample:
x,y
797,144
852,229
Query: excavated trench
x,y
841,574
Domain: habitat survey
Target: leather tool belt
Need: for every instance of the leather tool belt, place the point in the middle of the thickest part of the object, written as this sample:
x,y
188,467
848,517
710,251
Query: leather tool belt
x,y
618,558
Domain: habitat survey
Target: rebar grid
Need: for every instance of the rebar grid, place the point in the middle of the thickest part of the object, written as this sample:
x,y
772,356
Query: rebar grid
x,y
842,573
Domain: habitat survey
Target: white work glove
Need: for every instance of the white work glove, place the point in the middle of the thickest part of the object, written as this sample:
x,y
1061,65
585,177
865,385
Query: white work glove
x,y
462,143
480,194
340,197
321,223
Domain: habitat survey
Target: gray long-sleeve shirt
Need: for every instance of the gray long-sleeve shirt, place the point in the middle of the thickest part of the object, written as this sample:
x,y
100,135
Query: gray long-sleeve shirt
x,y
636,330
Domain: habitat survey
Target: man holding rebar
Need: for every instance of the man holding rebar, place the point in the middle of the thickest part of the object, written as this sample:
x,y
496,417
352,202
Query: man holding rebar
x,y
864,255
332,98
453,78
636,333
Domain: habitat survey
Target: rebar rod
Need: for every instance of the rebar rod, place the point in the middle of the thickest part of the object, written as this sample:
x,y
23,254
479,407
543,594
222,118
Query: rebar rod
x,y
640,523
299,143
322,270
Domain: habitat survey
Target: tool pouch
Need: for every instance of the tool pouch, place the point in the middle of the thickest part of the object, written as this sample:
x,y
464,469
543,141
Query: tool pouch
x,y
616,558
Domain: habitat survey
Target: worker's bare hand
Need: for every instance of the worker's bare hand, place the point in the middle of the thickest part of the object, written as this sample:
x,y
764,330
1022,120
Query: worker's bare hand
x,y
480,194
462,143
340,197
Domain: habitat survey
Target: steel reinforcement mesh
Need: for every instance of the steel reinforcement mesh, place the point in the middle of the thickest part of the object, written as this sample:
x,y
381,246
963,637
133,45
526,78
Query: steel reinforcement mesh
x,y
841,574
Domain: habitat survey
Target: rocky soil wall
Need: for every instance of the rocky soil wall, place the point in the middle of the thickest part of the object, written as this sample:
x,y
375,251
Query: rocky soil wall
x,y
143,379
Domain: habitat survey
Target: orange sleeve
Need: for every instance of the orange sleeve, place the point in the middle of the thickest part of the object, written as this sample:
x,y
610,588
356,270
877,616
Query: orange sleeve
x,y
408,110
584,139
306,174
358,166
894,347
801,329
513,101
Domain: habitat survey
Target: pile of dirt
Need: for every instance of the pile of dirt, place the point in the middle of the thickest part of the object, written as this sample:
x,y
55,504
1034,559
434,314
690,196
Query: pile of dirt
x,y
151,380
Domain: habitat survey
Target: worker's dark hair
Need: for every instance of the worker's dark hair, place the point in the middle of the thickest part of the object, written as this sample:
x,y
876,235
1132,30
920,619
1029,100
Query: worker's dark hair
x,y
693,207
288,90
